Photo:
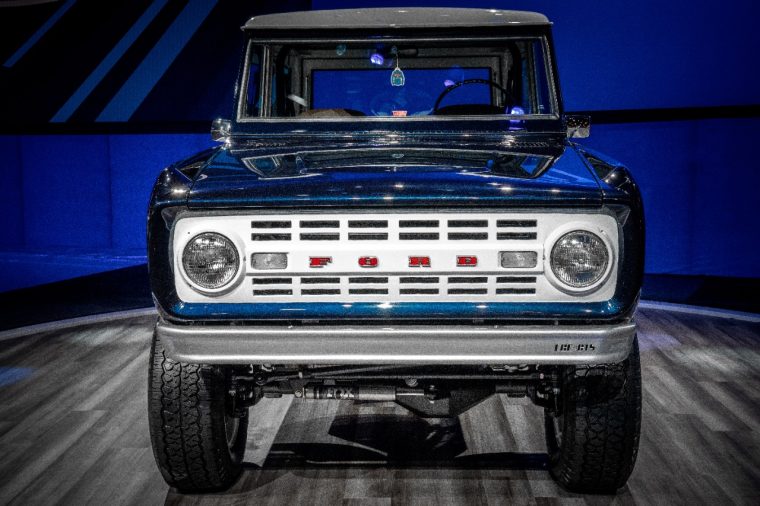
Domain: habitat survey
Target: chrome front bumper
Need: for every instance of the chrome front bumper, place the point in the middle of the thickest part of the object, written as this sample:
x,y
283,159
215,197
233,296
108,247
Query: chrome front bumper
x,y
442,344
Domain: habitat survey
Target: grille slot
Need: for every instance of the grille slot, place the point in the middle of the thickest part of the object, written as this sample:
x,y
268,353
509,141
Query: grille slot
x,y
516,223
365,280
418,291
320,237
320,291
515,291
319,281
418,223
468,223
418,279
464,236
468,279
521,236
357,236
468,291
368,224
272,292
270,237
368,291
516,279
270,224
320,224
418,236
271,281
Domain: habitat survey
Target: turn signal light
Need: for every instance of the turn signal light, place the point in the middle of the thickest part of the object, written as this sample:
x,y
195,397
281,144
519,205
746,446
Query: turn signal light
x,y
518,259
269,261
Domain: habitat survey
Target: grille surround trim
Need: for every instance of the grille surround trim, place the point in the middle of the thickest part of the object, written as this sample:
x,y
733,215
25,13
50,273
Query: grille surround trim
x,y
534,284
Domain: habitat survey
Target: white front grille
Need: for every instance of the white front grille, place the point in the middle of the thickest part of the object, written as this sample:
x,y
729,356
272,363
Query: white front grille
x,y
393,238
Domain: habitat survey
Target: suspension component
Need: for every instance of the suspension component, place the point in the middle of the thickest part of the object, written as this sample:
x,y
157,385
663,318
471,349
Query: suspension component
x,y
428,391
348,392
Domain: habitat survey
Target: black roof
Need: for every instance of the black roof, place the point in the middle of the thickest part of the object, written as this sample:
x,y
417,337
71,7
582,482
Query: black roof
x,y
410,17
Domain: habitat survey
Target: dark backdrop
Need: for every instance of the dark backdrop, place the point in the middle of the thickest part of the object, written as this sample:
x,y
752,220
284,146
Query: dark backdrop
x,y
98,96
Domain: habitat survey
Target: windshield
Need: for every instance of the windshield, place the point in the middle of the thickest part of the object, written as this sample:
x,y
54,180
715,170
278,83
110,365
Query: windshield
x,y
400,80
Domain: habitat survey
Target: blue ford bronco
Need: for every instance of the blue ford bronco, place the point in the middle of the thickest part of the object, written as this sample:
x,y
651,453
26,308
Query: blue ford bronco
x,y
395,213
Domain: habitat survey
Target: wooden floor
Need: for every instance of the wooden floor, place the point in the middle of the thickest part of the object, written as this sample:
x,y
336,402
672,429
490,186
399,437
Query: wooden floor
x,y
73,430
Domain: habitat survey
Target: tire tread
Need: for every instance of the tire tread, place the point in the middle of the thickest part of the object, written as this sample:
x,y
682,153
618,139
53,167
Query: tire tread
x,y
186,417
602,408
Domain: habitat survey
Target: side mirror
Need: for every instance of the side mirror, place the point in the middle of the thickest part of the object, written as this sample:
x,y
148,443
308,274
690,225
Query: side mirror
x,y
578,127
220,129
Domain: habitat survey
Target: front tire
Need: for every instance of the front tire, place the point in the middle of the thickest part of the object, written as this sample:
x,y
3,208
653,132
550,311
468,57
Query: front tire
x,y
197,441
592,431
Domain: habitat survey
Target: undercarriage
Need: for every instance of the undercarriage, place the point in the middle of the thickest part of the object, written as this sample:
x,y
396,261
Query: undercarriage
x,y
428,391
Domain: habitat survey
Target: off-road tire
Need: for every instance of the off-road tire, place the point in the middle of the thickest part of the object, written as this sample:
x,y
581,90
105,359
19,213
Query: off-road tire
x,y
599,410
190,417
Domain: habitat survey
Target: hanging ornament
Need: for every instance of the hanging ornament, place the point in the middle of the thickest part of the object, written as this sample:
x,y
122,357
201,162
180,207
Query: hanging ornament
x,y
397,76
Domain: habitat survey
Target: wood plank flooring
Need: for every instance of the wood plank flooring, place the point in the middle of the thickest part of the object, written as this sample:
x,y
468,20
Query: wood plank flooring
x,y
73,430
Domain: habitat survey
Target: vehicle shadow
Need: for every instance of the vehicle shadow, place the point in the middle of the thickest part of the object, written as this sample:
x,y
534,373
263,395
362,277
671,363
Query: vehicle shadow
x,y
369,447
397,441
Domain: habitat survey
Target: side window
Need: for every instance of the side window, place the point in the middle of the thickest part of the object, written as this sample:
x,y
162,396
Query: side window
x,y
535,83
253,89
283,98
543,99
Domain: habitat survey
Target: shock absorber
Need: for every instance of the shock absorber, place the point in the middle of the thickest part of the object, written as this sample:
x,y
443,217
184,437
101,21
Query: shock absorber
x,y
354,393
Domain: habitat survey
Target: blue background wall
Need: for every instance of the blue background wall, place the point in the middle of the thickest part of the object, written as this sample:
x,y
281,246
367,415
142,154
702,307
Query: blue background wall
x,y
77,202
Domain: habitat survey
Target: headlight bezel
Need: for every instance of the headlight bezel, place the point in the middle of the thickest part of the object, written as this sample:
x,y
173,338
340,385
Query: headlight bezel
x,y
557,236
231,283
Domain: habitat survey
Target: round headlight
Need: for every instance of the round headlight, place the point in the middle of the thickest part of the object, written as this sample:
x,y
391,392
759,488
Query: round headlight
x,y
210,260
579,259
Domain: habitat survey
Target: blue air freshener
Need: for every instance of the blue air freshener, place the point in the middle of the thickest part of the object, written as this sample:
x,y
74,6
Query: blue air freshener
x,y
397,77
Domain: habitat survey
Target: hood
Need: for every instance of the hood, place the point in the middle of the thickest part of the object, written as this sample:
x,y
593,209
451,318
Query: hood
x,y
394,177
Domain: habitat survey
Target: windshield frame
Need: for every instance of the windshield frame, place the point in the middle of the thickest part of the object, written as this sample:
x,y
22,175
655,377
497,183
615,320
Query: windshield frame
x,y
266,80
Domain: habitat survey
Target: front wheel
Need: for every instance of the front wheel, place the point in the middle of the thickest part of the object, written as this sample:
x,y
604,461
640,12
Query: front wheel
x,y
198,442
592,430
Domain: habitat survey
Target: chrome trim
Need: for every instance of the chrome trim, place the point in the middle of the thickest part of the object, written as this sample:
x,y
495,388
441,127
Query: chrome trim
x,y
220,130
227,287
612,259
435,344
578,127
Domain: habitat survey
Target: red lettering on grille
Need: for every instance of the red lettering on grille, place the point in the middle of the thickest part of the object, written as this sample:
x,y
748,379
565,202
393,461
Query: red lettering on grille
x,y
319,261
467,261
368,262
419,261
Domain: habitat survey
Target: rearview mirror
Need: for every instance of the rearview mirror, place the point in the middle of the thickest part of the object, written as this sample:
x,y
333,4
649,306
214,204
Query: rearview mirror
x,y
220,129
578,127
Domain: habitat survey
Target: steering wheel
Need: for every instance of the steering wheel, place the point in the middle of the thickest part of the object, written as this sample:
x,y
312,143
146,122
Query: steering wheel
x,y
506,95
